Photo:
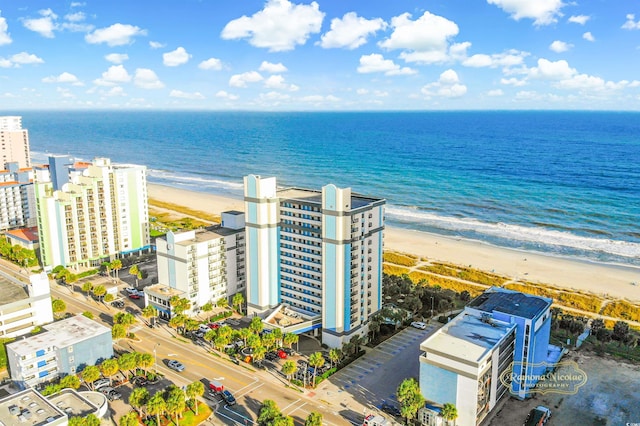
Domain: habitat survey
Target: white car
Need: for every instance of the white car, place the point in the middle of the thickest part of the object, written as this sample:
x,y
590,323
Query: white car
x,y
100,383
420,325
131,290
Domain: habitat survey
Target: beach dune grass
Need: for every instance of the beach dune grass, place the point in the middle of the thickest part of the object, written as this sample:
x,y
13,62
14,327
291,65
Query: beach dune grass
x,y
622,309
184,210
584,302
465,273
446,283
402,259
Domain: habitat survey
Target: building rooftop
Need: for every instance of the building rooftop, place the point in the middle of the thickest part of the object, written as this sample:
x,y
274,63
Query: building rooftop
x,y
163,291
60,334
11,292
25,234
28,408
315,197
72,403
467,337
511,302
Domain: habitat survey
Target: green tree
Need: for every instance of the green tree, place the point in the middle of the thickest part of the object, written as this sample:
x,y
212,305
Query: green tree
x,y
87,287
99,291
139,398
220,342
116,265
620,332
145,361
449,412
109,368
290,338
289,368
269,411
157,406
222,303
177,321
88,314
207,307
58,306
374,327
283,421
238,301
259,353
313,419
90,374
210,336
244,335
125,318
277,335
118,331
109,298
71,381
129,419
335,355
128,361
269,341
176,402
253,341
149,311
410,399
356,341
316,360
134,271
225,331
89,420
193,391
256,324
179,305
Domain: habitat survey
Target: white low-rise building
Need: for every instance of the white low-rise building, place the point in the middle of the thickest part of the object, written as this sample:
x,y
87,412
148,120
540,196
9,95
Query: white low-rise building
x,y
24,306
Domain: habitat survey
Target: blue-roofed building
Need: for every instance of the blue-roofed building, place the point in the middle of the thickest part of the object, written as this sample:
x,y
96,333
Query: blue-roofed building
x,y
479,357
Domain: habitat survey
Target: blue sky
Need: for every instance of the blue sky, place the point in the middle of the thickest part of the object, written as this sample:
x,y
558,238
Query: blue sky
x,y
321,55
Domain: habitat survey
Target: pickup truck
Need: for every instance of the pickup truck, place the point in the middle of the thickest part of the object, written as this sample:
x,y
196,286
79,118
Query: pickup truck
x,y
538,416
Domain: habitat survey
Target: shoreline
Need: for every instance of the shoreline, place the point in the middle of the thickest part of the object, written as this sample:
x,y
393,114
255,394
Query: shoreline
x,y
612,280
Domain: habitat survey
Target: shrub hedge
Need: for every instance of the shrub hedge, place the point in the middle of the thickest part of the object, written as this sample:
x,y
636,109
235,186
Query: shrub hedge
x,y
400,258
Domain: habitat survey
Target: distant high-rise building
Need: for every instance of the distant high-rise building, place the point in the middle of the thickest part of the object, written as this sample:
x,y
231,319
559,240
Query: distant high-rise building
x,y
202,266
14,142
319,253
99,215
17,199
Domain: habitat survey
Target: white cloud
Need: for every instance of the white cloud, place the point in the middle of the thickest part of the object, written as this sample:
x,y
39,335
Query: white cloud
x,y
241,80
75,17
225,95
447,86
426,38
277,82
24,58
362,91
115,91
376,63
351,31
631,23
319,98
579,19
560,46
176,57
156,44
274,96
65,77
280,26
116,58
588,36
65,93
43,26
211,64
585,82
513,82
147,79
272,68
543,12
185,95
5,38
115,75
549,70
495,92
506,59
115,35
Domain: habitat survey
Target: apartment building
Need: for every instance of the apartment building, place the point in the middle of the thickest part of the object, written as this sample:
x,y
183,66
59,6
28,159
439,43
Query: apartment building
x,y
17,198
89,213
24,306
14,142
472,360
317,253
65,347
201,265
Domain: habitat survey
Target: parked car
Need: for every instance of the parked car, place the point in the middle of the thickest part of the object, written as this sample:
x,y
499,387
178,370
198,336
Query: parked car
x,y
114,395
538,416
100,383
131,290
228,397
419,324
117,304
282,354
214,325
271,356
287,351
134,296
175,365
390,409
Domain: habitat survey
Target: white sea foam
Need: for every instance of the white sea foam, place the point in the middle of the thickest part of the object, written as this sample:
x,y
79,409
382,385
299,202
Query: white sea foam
x,y
535,235
197,182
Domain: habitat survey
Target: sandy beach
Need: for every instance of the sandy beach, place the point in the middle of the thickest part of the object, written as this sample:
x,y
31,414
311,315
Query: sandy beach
x,y
612,280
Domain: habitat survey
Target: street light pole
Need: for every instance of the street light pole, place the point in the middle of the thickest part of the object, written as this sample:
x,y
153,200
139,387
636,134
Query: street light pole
x,y
155,358
431,307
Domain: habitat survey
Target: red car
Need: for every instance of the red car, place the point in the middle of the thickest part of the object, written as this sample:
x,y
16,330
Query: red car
x,y
214,325
282,354
134,296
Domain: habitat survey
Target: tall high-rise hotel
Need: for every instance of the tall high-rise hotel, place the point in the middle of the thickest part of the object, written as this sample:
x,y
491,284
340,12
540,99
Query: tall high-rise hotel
x,y
14,142
317,252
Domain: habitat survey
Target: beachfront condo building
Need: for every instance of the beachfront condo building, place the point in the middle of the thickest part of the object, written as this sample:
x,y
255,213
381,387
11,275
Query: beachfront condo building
x,y
314,258
90,213
65,347
17,197
24,306
495,348
203,265
14,142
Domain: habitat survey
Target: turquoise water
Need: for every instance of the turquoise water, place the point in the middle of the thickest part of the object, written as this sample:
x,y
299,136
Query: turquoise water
x,y
564,183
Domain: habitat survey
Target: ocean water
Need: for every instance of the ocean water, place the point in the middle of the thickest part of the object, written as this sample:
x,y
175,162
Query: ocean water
x,y
560,183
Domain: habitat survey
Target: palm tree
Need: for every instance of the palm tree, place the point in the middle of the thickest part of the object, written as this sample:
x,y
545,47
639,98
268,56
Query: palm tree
x,y
149,311
316,360
134,271
116,265
193,391
128,361
138,398
313,419
118,331
145,361
156,406
289,368
356,341
335,355
222,303
238,301
58,306
210,336
290,338
449,412
220,342
99,291
374,327
175,402
87,287
191,324
129,419
410,398
269,341
256,325
277,335
90,374
124,318
259,353
244,334
109,368
177,321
